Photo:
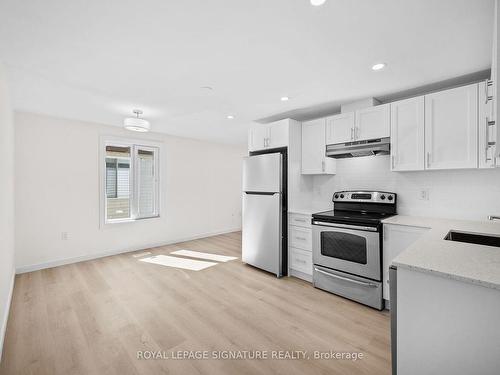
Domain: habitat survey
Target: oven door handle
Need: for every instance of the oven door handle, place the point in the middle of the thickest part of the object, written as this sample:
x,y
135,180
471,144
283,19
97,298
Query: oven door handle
x,y
345,226
345,278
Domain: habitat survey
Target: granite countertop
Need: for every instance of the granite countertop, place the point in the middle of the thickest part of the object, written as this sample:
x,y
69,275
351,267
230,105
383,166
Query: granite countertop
x,y
307,210
431,253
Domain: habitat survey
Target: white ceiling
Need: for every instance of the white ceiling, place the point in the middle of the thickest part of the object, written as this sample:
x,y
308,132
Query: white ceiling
x,y
97,60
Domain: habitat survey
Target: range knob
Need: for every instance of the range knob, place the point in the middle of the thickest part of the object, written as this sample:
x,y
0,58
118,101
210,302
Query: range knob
x,y
390,197
341,195
336,196
382,197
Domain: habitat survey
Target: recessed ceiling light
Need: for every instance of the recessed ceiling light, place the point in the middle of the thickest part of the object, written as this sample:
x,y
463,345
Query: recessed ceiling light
x,y
378,66
230,117
317,3
285,98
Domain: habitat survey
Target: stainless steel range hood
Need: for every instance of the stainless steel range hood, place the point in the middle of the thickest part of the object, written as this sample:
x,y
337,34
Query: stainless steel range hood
x,y
380,146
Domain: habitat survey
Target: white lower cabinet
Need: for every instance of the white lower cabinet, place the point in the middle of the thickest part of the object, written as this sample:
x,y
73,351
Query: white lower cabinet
x,y
397,238
300,246
301,260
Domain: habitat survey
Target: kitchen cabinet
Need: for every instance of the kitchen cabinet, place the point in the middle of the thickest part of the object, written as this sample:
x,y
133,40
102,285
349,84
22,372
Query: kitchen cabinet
x,y
278,134
257,137
300,245
407,135
372,122
451,123
494,86
367,123
397,238
314,160
267,136
340,128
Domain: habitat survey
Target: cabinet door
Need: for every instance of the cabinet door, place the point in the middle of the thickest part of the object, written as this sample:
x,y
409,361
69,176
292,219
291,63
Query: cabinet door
x,y
340,128
397,238
314,160
407,135
451,118
278,134
373,122
257,137
495,76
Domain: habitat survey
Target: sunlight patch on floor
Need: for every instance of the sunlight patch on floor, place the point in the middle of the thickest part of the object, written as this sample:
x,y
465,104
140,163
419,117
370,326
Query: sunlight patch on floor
x,y
143,254
187,264
201,255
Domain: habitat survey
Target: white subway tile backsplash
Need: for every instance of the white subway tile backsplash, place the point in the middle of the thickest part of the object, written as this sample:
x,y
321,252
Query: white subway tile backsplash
x,y
459,194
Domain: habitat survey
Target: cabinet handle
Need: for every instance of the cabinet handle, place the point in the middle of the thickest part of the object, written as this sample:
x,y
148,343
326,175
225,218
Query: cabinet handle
x,y
352,134
300,260
322,165
487,146
301,220
300,238
428,159
489,83
392,161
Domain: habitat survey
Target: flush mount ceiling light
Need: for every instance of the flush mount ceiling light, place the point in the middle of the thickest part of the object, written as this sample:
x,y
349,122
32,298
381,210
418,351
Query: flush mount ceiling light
x,y
379,66
136,123
285,98
230,117
317,3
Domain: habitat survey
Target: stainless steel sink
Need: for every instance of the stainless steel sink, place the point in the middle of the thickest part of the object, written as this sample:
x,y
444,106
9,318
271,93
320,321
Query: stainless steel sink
x,y
475,238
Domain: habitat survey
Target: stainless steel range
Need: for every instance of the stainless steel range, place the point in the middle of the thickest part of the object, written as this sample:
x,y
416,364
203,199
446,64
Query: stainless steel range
x,y
347,245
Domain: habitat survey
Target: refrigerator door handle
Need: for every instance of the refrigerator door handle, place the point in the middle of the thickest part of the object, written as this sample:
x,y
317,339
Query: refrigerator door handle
x,y
261,192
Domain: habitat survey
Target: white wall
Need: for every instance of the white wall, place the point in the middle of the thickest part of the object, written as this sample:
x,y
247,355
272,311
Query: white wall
x,y
6,205
57,190
460,194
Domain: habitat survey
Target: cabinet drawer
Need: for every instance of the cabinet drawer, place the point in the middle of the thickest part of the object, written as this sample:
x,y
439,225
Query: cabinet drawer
x,y
301,238
301,260
300,220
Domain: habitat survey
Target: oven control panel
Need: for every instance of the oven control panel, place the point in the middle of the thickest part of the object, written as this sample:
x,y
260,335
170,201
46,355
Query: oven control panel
x,y
365,197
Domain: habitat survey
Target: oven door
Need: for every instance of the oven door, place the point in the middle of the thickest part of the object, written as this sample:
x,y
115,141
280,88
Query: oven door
x,y
348,248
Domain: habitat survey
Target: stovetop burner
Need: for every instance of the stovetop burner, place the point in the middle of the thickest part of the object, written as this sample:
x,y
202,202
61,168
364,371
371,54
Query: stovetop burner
x,y
363,207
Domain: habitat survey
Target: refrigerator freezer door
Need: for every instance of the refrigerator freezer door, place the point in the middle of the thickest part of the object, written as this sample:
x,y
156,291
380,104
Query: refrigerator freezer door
x,y
262,173
261,242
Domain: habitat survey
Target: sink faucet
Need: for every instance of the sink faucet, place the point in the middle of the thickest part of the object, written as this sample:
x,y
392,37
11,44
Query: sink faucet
x,y
493,217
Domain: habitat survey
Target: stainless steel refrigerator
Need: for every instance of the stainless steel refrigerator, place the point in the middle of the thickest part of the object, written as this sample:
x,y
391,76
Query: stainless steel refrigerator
x,y
263,218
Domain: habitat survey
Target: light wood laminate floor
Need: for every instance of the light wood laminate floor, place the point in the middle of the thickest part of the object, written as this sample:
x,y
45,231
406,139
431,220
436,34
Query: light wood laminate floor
x,y
93,317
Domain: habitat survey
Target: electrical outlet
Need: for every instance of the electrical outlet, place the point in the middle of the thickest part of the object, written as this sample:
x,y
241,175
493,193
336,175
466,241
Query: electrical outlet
x,y
423,194
64,236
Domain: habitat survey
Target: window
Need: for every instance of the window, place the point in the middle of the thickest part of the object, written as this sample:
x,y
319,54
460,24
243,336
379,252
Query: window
x,y
130,183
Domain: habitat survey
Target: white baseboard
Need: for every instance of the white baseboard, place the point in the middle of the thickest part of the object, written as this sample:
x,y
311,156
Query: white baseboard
x,y
61,262
3,329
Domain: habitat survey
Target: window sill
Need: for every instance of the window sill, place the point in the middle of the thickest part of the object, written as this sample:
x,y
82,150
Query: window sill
x,y
124,221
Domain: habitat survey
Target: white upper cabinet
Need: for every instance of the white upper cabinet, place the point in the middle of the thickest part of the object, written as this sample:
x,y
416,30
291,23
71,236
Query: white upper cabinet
x,y
495,76
372,122
278,134
257,137
451,126
340,128
314,160
407,135
274,135
367,123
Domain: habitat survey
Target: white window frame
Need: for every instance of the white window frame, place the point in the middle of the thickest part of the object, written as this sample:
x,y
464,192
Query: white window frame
x,y
135,145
